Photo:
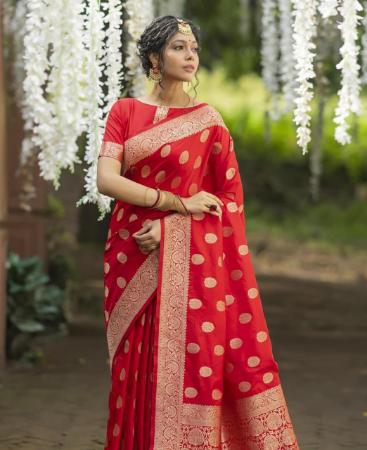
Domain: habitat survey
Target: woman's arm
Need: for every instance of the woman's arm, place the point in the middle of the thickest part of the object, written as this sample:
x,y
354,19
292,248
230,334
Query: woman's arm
x,y
111,183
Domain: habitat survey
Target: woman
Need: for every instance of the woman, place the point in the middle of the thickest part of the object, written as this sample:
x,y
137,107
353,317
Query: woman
x,y
190,356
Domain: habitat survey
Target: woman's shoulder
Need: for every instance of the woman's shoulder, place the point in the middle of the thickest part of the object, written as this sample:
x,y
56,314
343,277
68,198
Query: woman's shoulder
x,y
216,116
120,108
123,102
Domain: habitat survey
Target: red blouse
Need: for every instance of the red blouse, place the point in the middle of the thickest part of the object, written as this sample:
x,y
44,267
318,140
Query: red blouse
x,y
129,116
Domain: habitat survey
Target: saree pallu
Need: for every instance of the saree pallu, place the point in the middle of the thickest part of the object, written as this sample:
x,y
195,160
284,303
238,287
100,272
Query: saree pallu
x,y
190,355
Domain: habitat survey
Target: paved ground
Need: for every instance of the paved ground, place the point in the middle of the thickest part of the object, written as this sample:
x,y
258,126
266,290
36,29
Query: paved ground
x,y
319,335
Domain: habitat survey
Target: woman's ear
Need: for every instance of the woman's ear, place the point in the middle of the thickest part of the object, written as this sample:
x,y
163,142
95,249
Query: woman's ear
x,y
153,58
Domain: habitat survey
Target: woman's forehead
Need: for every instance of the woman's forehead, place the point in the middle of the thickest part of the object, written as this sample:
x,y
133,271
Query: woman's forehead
x,y
181,37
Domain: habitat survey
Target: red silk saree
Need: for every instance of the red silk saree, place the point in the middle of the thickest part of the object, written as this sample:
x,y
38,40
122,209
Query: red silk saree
x,y
190,354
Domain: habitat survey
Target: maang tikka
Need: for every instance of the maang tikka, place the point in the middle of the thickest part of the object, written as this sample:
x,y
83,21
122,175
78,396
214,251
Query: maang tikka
x,y
184,27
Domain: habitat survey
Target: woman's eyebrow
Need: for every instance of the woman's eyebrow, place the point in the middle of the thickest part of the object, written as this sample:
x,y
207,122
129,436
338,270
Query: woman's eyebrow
x,y
182,40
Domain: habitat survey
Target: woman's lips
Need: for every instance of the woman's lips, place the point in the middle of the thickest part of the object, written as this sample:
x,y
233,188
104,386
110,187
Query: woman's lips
x,y
189,68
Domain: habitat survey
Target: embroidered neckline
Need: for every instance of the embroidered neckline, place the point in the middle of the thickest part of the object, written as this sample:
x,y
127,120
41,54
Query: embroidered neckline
x,y
160,113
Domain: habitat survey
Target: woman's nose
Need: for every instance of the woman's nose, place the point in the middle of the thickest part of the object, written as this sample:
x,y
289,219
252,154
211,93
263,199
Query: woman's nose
x,y
190,53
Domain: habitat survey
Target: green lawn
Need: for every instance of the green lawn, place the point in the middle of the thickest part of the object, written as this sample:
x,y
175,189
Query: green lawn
x,y
325,225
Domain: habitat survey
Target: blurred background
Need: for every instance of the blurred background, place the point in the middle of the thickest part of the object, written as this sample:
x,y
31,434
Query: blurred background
x,y
306,218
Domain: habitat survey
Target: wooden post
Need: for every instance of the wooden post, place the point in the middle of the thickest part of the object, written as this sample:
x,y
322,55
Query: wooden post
x,y
3,200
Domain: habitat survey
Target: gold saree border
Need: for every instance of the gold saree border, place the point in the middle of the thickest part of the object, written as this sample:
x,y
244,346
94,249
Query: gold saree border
x,y
160,113
133,298
112,150
147,142
258,422
172,331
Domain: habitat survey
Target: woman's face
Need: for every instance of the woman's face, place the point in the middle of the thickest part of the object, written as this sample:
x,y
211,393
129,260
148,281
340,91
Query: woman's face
x,y
181,52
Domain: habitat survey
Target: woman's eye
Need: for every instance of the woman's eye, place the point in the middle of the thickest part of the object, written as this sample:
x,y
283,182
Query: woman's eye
x,y
196,49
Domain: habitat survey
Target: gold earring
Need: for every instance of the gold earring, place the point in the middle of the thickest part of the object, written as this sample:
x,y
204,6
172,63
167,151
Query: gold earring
x,y
155,74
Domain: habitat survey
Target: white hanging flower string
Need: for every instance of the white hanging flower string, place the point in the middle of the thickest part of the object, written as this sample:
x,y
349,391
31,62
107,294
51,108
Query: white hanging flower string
x,y
328,8
55,82
304,33
107,59
37,110
270,54
94,40
139,15
66,88
287,62
364,46
349,101
114,67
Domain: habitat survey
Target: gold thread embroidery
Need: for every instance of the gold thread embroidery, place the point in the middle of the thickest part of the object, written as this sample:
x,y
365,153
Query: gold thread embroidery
x,y
136,293
261,422
160,113
112,149
172,330
144,144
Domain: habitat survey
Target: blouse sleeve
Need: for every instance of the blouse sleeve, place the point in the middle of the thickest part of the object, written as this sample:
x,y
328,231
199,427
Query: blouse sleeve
x,y
113,138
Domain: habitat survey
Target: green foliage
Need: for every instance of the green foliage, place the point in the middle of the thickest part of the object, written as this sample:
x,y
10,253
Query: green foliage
x,y
34,306
326,224
222,38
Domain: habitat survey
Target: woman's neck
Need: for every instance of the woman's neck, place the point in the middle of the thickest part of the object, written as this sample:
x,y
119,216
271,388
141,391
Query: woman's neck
x,y
172,95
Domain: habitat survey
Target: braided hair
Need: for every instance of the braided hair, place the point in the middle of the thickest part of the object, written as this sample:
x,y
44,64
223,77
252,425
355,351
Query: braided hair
x,y
155,38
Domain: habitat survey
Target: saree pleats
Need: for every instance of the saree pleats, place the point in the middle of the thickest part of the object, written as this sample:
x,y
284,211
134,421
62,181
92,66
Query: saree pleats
x,y
130,398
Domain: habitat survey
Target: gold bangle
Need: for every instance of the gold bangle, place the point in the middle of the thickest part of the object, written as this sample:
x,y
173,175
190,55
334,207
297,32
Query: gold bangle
x,y
158,197
183,204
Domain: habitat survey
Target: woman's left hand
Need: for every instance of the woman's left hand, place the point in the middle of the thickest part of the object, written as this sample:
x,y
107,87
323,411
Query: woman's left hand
x,y
149,236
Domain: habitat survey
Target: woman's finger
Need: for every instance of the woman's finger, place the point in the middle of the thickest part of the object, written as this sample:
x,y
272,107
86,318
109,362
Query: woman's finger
x,y
143,237
142,230
214,197
209,204
213,211
149,247
217,200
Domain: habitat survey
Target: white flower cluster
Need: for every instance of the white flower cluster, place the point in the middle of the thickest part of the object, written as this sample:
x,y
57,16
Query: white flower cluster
x,y
37,110
328,8
114,67
364,45
94,38
304,46
270,34
277,59
139,15
68,61
297,66
104,58
287,61
53,84
349,101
